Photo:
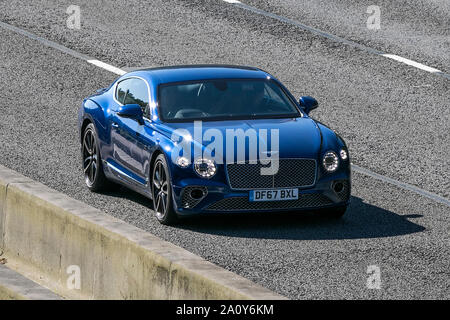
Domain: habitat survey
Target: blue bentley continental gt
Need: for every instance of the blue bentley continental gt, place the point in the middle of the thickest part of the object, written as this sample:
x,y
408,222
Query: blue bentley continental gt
x,y
206,139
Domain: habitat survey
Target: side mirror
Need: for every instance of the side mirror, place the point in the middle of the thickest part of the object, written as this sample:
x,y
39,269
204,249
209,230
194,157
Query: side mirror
x,y
132,111
308,103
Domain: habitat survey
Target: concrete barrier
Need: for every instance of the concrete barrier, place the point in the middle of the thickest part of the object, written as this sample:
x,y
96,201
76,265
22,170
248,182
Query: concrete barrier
x,y
14,286
44,232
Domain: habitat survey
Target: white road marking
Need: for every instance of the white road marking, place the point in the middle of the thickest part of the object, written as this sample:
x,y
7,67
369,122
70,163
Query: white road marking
x,y
410,62
338,39
108,67
63,49
403,185
73,53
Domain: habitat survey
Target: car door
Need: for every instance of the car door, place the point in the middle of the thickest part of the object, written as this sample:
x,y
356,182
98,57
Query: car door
x,y
127,145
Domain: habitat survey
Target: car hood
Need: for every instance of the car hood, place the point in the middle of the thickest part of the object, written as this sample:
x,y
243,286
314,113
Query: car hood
x,y
298,137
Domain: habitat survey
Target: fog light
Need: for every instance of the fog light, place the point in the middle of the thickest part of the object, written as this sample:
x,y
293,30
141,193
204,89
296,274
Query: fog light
x,y
197,194
343,154
338,187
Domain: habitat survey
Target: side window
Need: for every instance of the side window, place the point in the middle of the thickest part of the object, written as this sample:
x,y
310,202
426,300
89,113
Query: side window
x,y
121,91
133,91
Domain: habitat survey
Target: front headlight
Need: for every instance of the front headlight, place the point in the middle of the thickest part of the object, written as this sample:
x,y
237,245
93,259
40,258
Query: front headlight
x,y
343,154
182,162
330,161
205,168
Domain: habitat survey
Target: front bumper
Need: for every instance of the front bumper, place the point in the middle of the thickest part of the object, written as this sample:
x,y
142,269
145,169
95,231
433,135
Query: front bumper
x,y
220,198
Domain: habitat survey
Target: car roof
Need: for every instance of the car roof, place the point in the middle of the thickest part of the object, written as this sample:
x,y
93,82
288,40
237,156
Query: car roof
x,y
180,73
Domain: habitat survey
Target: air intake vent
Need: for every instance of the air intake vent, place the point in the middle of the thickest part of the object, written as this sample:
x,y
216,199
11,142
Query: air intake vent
x,y
192,195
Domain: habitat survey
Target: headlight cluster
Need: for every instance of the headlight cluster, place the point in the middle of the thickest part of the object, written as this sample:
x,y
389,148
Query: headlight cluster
x,y
183,162
331,160
205,168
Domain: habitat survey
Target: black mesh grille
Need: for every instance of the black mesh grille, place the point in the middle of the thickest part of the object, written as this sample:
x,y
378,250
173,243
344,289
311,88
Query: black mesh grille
x,y
313,200
291,173
189,202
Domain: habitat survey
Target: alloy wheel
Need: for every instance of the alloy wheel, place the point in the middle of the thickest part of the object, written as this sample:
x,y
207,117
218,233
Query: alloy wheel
x,y
90,159
160,190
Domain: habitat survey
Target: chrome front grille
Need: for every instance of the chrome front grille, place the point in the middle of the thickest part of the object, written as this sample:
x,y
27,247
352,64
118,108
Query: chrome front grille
x,y
291,173
313,200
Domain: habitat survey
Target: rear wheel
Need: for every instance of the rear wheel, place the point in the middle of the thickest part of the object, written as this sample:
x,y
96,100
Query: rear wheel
x,y
162,192
92,165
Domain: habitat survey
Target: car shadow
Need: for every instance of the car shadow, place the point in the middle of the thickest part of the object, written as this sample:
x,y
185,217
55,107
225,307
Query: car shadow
x,y
362,220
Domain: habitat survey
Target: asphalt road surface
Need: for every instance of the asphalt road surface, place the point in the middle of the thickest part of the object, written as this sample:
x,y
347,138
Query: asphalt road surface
x,y
394,117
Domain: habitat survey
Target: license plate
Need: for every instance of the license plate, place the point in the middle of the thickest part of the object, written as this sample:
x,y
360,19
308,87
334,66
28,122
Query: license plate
x,y
273,195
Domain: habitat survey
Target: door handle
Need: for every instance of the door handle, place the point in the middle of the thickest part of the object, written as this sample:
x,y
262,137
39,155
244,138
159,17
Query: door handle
x,y
114,125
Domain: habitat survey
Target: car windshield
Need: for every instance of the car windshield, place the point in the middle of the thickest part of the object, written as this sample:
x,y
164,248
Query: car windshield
x,y
224,99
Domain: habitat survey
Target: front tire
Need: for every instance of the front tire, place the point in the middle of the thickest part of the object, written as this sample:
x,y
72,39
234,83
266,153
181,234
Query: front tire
x,y
94,176
162,192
